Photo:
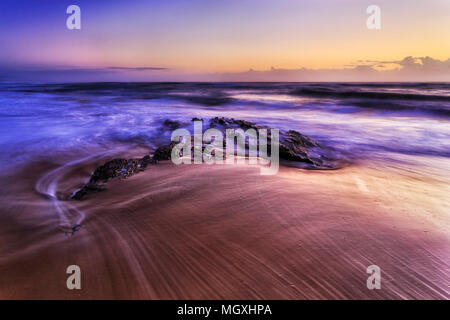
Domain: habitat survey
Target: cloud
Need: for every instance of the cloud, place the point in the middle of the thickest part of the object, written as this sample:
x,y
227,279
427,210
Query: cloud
x,y
408,69
408,63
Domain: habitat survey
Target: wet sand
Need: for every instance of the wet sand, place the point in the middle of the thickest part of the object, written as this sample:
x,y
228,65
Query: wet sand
x,y
226,232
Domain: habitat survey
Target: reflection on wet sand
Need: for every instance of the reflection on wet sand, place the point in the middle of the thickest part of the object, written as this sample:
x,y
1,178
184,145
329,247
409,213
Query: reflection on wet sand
x,y
224,231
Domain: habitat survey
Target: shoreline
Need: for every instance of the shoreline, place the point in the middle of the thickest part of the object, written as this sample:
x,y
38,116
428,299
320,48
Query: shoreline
x,y
225,232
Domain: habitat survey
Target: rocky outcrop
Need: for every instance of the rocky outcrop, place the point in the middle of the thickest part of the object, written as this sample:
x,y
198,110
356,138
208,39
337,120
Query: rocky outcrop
x,y
163,152
294,147
117,168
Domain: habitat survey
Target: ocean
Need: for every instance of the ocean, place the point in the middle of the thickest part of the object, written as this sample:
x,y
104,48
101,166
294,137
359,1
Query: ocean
x,y
395,122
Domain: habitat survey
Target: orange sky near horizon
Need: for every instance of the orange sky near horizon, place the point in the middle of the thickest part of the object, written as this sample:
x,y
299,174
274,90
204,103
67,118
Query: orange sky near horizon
x,y
224,36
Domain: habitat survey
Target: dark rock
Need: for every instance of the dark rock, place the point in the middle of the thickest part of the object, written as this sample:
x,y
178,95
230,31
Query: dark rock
x,y
109,170
163,152
232,123
145,161
294,146
296,138
117,168
86,189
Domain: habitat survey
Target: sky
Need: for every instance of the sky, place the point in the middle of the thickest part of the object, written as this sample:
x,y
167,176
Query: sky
x,y
261,40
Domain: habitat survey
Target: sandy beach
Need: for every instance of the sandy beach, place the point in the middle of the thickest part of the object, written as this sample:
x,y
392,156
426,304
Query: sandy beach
x,y
225,150
226,232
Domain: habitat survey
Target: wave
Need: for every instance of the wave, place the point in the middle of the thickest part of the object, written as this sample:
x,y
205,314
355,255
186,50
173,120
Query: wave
x,y
70,217
356,93
360,117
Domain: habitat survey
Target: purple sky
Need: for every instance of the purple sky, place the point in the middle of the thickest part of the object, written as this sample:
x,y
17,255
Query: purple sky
x,y
230,40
